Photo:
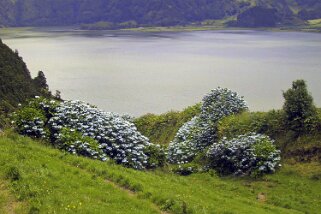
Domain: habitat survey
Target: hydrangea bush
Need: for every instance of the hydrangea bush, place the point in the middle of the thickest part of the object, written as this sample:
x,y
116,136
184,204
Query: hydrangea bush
x,y
30,122
83,129
196,135
251,154
118,138
75,143
185,144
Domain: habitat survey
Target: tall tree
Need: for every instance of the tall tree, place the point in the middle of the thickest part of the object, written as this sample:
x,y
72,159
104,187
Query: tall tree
x,y
301,114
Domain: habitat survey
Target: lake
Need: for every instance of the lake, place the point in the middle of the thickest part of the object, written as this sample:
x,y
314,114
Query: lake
x,y
139,72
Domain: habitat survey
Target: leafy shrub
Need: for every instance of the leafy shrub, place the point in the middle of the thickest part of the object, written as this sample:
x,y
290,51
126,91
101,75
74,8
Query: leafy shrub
x,y
31,122
252,154
73,142
32,119
162,128
196,135
118,138
270,123
185,146
300,112
156,155
83,129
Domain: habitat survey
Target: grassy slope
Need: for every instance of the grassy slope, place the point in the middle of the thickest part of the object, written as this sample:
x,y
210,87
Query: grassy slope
x,y
52,181
50,185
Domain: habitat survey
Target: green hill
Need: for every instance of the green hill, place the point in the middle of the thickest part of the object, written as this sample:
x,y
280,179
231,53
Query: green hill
x,y
35,178
16,84
123,13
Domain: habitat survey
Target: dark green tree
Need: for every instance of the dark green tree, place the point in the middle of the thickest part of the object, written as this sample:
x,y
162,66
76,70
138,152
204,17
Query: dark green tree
x,y
300,112
41,81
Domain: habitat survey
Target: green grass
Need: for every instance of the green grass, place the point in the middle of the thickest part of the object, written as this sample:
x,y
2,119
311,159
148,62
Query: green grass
x,y
48,184
49,181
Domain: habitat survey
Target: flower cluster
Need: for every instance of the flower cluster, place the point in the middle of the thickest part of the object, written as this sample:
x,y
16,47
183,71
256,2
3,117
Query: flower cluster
x,y
117,137
30,122
31,119
252,154
74,143
83,129
196,135
185,146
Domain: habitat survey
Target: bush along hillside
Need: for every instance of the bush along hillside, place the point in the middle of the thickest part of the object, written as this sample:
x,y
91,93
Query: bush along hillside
x,y
82,129
222,135
16,84
230,142
295,130
196,135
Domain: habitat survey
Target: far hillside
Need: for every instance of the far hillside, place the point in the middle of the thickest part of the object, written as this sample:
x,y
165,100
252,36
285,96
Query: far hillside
x,y
127,14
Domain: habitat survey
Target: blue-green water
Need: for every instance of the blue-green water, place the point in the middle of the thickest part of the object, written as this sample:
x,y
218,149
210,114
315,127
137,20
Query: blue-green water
x,y
138,73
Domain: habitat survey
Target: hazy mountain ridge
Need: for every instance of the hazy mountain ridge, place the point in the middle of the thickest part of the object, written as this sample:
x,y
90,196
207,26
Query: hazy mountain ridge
x,y
153,13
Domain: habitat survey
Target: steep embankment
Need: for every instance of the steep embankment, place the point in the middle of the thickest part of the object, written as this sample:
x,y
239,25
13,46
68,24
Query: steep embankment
x,y
16,84
44,179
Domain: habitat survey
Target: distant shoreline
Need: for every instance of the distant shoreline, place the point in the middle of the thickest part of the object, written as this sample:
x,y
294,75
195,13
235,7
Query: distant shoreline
x,y
211,28
6,30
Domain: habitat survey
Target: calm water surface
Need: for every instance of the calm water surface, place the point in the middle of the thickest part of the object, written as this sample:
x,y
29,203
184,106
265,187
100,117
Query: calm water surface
x,y
137,73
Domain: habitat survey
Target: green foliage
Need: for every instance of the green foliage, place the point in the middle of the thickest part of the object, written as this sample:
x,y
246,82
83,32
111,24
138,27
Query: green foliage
x,y
162,128
73,142
156,155
251,154
201,131
41,81
16,84
300,112
305,148
30,121
32,118
56,182
270,123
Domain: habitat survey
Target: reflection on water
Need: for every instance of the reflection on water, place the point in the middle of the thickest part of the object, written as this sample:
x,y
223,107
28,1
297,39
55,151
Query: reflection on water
x,y
138,72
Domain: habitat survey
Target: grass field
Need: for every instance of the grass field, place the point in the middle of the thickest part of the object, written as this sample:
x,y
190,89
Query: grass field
x,y
35,178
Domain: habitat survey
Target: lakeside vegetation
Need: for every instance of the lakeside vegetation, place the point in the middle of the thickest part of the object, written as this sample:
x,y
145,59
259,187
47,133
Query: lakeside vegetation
x,y
80,159
293,188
